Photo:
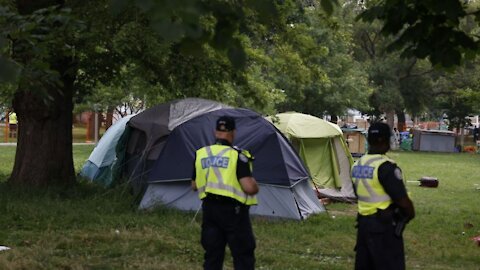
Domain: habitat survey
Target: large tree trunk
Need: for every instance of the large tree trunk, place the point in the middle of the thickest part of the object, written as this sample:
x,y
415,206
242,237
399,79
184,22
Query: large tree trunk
x,y
390,118
109,120
44,149
94,124
44,146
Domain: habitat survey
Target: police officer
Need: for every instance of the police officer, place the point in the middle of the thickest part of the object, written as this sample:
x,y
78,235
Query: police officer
x,y
383,205
224,181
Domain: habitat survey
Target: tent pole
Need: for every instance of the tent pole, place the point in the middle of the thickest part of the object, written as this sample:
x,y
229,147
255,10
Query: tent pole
x,y
318,192
196,213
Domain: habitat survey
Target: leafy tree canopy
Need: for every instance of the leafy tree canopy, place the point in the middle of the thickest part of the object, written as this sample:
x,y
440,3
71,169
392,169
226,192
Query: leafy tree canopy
x,y
427,29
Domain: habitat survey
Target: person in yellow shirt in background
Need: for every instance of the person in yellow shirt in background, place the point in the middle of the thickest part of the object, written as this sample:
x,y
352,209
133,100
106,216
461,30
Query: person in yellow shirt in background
x,y
384,207
12,125
224,181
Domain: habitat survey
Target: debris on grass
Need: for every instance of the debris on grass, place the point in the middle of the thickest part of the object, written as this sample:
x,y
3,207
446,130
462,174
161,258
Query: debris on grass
x,y
2,248
325,201
476,239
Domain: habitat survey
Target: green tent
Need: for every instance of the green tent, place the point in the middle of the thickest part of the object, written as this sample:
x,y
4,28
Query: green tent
x,y
322,147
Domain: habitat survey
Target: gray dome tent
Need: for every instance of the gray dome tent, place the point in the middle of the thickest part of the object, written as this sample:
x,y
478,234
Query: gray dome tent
x,y
155,155
285,189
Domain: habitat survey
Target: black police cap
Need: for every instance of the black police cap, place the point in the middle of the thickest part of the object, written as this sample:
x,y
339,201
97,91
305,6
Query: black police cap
x,y
225,123
379,130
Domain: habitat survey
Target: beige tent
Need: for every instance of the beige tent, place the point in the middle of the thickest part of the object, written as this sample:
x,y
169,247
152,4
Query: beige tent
x,y
322,147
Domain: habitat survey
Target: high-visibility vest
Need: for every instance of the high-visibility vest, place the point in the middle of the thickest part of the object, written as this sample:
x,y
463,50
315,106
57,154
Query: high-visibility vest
x,y
12,118
370,192
216,173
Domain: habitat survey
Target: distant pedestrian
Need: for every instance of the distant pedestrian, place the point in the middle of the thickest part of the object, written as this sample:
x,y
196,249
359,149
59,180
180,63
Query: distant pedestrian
x,y
475,134
396,137
12,125
225,184
384,207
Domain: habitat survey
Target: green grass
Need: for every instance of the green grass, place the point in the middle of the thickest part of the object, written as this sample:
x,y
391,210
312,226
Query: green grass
x,y
76,228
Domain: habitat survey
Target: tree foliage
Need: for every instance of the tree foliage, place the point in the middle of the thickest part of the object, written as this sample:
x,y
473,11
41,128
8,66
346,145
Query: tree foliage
x,y
457,94
314,65
427,29
309,56
282,60
153,50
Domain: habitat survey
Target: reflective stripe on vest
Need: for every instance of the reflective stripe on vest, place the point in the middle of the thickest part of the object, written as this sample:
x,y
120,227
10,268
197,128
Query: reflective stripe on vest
x,y
371,194
222,186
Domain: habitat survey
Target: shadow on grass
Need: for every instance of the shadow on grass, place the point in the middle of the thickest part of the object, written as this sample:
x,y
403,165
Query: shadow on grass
x,y
80,192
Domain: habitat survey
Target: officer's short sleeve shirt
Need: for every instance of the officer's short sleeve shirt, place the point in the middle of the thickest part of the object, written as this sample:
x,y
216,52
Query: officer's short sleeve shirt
x,y
390,176
243,167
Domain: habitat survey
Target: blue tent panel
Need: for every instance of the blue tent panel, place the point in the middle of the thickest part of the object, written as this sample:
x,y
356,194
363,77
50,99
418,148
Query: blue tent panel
x,y
102,175
89,170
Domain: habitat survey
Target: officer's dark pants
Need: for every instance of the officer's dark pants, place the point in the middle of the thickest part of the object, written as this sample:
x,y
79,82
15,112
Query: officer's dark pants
x,y
377,246
227,223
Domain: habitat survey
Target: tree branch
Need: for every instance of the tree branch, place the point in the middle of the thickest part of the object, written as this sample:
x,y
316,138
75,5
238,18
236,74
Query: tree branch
x,y
367,44
409,71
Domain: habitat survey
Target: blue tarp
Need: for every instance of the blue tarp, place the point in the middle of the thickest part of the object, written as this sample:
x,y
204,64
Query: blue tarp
x,y
99,163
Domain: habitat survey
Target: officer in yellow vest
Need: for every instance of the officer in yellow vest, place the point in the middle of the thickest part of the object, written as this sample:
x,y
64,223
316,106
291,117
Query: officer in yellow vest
x,y
224,181
384,207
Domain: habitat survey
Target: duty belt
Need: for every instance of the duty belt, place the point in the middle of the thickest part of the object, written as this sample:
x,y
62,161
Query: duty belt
x,y
221,199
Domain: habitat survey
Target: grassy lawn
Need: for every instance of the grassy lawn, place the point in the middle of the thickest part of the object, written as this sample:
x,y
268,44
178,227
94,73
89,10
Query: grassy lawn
x,y
87,227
